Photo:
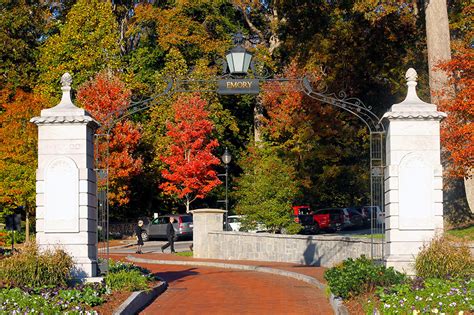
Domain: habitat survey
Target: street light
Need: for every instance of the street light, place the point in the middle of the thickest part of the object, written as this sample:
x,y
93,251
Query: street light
x,y
238,59
226,158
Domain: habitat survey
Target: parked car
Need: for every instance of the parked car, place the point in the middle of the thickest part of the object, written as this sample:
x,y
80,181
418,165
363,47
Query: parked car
x,y
374,212
183,226
235,223
352,218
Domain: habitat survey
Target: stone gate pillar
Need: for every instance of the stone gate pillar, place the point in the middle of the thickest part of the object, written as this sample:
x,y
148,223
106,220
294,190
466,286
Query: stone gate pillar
x,y
413,178
66,203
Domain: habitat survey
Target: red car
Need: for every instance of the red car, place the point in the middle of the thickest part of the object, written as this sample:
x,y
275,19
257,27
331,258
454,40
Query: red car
x,y
314,221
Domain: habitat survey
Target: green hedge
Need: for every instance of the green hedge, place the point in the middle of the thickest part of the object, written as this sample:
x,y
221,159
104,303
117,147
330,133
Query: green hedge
x,y
362,275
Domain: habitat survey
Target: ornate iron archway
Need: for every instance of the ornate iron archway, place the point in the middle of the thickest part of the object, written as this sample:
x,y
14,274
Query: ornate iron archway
x,y
249,83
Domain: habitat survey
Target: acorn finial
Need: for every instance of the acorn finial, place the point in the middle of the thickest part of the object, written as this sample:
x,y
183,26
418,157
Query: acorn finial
x,y
66,80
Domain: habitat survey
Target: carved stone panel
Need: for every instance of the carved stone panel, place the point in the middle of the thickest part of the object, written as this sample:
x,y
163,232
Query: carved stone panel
x,y
415,193
61,196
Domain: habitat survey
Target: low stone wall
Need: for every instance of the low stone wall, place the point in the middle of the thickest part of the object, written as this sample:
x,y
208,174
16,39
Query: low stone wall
x,y
314,250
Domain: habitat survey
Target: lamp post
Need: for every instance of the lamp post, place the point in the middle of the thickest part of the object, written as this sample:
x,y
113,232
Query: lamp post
x,y
238,58
226,158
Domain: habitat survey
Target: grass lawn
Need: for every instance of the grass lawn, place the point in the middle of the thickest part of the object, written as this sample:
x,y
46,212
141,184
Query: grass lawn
x,y
464,233
185,254
376,236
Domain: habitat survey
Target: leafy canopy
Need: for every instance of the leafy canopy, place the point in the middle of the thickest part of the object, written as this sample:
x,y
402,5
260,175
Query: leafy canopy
x,y
87,43
105,97
18,149
189,172
266,191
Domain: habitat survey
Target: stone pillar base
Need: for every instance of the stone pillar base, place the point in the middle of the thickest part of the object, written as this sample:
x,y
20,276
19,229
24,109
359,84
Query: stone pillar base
x,y
204,221
405,263
84,268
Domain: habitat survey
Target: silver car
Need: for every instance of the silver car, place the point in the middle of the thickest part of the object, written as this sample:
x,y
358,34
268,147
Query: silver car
x,y
183,226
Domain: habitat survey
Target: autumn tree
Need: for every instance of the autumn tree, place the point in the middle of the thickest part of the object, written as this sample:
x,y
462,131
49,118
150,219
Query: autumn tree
x,y
189,172
327,147
18,151
86,44
106,97
457,131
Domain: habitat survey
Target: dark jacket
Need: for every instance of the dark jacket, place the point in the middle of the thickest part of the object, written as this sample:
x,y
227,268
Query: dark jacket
x,y
170,233
138,233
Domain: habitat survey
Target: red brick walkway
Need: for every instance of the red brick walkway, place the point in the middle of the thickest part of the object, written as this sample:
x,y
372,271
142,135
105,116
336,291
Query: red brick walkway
x,y
209,290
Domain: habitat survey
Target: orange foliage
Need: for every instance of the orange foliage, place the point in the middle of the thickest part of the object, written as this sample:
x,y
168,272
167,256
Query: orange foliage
x,y
457,130
106,97
18,149
190,174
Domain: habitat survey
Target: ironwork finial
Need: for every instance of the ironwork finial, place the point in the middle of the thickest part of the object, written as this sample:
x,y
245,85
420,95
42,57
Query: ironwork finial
x,y
238,38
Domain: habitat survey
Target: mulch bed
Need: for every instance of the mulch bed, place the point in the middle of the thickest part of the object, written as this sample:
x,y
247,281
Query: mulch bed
x,y
113,302
116,299
355,305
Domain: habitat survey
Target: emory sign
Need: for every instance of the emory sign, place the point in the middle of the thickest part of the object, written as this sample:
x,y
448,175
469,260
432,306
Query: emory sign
x,y
238,86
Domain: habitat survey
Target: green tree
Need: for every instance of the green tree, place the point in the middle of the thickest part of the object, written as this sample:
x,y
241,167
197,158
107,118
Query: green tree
x,y
87,43
22,23
266,191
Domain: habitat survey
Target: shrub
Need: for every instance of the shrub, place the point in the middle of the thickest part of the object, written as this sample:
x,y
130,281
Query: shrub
x,y
354,277
117,266
126,276
19,237
443,258
32,268
425,296
132,280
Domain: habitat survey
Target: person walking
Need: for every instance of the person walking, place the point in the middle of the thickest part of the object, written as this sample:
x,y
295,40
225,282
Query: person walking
x,y
170,234
138,233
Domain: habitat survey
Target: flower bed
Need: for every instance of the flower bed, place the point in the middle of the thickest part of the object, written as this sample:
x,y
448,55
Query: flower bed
x,y
419,296
50,300
41,289
447,286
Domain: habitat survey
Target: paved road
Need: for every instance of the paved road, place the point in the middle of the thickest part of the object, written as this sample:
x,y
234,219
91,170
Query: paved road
x,y
154,247
208,290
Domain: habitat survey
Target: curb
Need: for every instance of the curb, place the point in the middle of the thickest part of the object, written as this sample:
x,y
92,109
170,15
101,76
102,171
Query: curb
x,y
137,301
336,304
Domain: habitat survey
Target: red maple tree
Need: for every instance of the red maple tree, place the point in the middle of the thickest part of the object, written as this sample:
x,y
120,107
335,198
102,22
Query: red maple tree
x,y
457,130
105,97
189,174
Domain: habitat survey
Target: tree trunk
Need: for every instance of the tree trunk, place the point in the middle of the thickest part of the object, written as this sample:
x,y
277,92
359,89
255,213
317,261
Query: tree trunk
x,y
469,188
27,227
257,116
439,50
438,43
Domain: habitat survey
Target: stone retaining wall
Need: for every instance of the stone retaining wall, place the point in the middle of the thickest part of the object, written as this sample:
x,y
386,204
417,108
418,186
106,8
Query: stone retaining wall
x,y
324,251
